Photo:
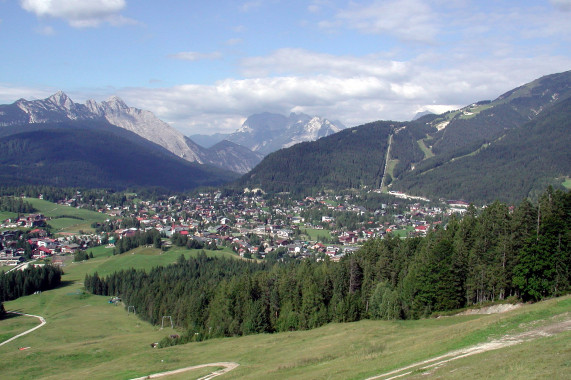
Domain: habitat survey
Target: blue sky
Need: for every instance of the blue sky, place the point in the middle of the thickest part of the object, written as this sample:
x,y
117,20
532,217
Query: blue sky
x,y
204,66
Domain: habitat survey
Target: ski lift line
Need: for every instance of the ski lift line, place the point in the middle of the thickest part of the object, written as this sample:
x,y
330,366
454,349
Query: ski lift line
x,y
163,321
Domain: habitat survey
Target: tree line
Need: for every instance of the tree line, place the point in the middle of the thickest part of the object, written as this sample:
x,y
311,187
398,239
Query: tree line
x,y
20,283
17,205
523,253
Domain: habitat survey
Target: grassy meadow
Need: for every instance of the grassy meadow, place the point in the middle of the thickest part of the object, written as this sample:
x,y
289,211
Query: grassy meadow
x,y
315,234
86,337
74,219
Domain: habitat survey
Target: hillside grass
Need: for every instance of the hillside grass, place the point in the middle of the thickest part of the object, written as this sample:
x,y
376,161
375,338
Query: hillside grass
x,y
567,183
426,150
73,220
86,337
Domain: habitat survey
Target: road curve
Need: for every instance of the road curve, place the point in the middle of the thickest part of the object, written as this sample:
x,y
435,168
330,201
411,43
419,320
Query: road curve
x,y
42,320
506,341
228,366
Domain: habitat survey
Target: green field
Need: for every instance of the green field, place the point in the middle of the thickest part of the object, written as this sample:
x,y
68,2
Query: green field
x,y
317,235
145,258
81,219
567,183
86,337
7,215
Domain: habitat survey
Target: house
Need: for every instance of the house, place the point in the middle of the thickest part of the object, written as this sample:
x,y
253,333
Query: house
x,y
422,229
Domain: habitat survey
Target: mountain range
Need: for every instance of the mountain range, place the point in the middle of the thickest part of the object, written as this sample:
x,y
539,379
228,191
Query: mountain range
x,y
507,149
238,152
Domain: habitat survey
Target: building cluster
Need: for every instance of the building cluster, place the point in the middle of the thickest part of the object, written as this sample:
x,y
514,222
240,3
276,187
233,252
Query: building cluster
x,y
254,225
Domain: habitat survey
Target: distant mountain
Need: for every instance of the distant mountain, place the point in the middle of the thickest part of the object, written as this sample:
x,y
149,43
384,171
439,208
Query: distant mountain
x,y
233,157
267,132
506,149
207,141
421,114
94,153
60,108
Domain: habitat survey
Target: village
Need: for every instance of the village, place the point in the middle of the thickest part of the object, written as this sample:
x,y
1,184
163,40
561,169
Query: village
x,y
252,224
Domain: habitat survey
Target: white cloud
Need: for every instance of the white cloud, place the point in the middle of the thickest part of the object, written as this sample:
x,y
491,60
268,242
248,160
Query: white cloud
x,y
407,20
351,98
300,61
79,13
196,56
9,93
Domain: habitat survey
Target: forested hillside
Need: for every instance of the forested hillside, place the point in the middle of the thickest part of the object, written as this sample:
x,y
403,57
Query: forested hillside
x,y
95,154
498,253
351,158
520,163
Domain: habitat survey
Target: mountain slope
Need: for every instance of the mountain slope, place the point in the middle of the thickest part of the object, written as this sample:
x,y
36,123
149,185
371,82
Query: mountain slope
x,y
519,164
351,158
95,154
485,121
234,157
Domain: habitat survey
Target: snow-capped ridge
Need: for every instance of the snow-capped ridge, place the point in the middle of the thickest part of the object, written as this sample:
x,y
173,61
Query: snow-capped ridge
x,y
266,132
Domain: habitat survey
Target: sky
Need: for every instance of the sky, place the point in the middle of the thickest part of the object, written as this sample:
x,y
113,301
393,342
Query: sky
x,y
205,66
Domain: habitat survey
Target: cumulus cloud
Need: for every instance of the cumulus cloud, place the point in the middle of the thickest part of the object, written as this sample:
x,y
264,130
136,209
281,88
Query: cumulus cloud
x,y
196,56
352,98
79,13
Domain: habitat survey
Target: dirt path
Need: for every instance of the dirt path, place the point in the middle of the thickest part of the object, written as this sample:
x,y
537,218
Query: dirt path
x,y
228,366
42,320
506,341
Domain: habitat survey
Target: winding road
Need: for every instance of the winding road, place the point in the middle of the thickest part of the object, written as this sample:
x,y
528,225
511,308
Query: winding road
x,y
506,341
228,366
42,320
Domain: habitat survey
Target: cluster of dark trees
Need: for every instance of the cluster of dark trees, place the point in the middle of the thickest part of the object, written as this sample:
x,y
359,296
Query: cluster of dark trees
x,y
2,310
17,205
191,243
151,237
488,256
20,283
82,256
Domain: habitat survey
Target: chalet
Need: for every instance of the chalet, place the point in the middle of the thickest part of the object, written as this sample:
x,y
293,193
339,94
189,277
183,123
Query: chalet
x,y
423,229
69,248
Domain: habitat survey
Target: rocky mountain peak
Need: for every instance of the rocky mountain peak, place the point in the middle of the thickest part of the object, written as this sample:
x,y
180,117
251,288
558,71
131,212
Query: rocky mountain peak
x,y
267,132
61,99
115,103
